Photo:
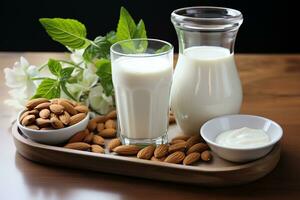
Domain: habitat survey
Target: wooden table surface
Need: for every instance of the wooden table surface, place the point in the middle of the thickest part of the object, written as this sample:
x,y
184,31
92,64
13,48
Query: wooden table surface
x,y
271,86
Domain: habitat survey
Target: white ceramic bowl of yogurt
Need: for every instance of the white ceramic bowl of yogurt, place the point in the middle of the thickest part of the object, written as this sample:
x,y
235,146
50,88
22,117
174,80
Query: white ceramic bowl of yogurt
x,y
235,153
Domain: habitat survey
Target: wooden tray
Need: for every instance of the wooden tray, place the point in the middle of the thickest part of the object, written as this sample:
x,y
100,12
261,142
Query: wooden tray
x,y
216,173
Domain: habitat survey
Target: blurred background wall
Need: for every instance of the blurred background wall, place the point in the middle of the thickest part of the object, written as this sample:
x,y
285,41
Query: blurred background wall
x,y
269,26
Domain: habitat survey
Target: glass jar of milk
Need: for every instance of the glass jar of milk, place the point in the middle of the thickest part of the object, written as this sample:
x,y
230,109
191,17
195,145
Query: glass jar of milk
x,y
142,71
206,83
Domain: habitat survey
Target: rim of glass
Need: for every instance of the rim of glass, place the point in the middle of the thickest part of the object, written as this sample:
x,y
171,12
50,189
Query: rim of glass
x,y
235,14
140,54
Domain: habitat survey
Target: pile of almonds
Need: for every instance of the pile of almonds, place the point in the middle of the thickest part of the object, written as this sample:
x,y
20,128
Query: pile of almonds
x,y
182,149
44,114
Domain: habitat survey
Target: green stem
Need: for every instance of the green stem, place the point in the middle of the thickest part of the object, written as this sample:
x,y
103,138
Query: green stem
x,y
38,78
71,63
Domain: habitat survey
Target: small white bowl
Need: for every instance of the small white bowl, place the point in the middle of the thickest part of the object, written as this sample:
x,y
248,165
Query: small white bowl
x,y
53,137
212,128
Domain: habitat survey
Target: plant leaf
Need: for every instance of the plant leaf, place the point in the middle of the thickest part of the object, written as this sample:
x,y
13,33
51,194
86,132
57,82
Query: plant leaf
x,y
101,49
66,72
104,72
48,88
66,91
163,49
140,31
126,26
54,67
68,32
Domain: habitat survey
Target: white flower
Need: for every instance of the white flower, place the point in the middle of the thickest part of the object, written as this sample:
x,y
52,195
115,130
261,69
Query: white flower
x,y
98,101
19,79
77,57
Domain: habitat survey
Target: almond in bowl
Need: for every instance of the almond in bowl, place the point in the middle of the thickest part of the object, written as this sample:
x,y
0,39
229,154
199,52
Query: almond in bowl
x,y
52,121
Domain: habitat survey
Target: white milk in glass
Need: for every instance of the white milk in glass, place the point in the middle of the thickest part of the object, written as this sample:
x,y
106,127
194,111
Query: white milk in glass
x,y
142,87
206,84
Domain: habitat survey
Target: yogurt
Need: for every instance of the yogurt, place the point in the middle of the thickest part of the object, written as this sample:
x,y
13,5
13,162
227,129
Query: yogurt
x,y
243,138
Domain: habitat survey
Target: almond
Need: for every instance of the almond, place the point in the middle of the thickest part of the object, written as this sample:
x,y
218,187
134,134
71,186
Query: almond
x,y
79,137
44,113
176,157
97,139
146,153
127,150
27,120
114,143
56,109
77,118
43,105
112,114
92,125
172,119
97,149
65,118
81,109
177,141
29,112
199,147
161,151
153,158
206,155
89,138
193,140
108,133
56,123
100,127
181,137
33,127
78,146
191,158
73,103
110,124
34,102
100,119
177,147
67,106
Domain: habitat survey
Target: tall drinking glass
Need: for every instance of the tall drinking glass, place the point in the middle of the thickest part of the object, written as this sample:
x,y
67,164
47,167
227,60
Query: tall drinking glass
x,y
142,75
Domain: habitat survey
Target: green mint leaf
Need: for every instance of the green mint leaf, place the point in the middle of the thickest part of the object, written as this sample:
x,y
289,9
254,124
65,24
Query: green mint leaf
x,y
65,73
54,67
66,91
163,49
100,48
48,88
126,26
68,32
104,72
140,31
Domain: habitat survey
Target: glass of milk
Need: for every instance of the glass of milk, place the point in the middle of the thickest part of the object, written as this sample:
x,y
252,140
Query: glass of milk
x,y
206,83
142,72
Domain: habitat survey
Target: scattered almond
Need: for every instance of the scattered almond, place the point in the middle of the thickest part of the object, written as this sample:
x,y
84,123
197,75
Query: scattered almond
x,y
34,102
56,108
44,113
110,124
191,158
43,106
176,157
77,118
193,140
112,114
89,138
114,143
100,119
108,133
92,125
199,147
97,149
97,139
161,151
127,150
146,153
79,137
78,146
177,147
100,127
153,158
181,137
206,155
177,141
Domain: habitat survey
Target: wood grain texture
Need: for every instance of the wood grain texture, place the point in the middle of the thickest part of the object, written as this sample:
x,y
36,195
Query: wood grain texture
x,y
271,89
217,172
